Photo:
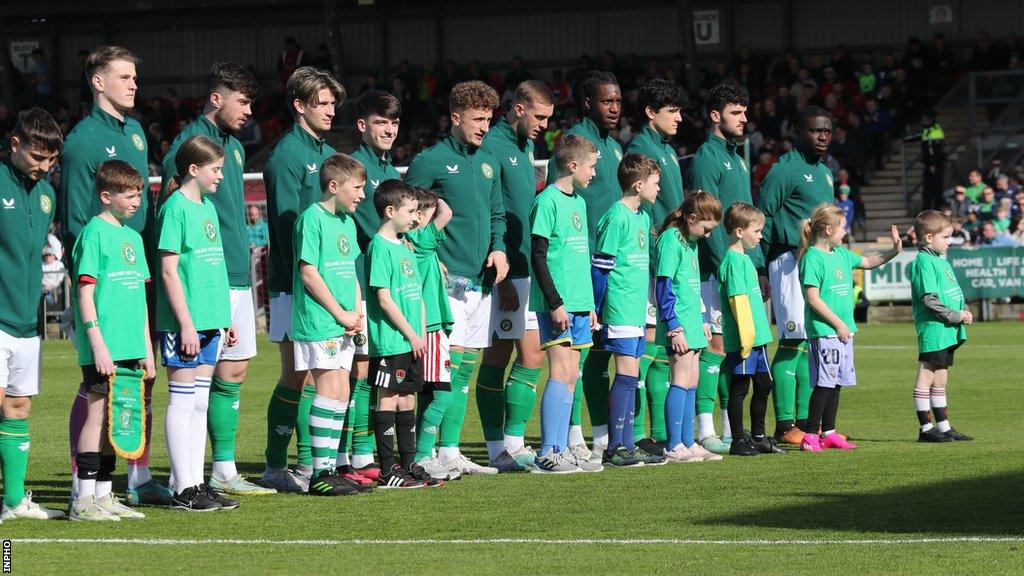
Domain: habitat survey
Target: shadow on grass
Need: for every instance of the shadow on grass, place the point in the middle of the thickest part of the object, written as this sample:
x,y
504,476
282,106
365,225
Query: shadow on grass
x,y
987,505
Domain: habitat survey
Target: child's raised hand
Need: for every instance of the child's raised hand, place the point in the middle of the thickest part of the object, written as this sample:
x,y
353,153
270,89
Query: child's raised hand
x,y
897,241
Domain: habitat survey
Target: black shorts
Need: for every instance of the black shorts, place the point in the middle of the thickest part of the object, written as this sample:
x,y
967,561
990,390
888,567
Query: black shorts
x,y
939,358
93,381
400,373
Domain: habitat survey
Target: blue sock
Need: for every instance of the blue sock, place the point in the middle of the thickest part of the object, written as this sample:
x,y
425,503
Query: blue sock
x,y
689,413
620,414
675,404
550,414
564,417
627,431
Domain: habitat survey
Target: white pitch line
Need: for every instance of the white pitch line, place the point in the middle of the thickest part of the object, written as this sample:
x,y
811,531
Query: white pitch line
x,y
538,541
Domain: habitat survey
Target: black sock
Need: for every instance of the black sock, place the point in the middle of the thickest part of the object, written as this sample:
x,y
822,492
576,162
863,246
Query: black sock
x,y
941,415
384,427
820,397
737,394
88,465
801,423
782,425
828,419
924,417
759,403
405,426
107,464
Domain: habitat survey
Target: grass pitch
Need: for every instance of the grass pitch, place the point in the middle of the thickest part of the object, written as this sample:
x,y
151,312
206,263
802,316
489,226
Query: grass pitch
x,y
893,506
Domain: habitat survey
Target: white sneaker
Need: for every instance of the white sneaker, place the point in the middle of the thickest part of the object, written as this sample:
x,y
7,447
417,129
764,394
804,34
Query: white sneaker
x,y
682,454
580,455
704,454
524,455
506,463
110,504
85,510
29,509
466,466
437,470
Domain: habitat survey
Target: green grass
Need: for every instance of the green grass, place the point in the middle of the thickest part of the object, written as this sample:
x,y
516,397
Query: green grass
x,y
889,489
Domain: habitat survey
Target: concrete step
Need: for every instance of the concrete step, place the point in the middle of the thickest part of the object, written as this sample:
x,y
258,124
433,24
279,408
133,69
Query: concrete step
x,y
884,189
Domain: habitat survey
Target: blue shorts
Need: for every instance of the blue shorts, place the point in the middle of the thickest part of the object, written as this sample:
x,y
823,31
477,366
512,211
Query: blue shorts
x,y
209,350
830,362
756,363
633,346
578,336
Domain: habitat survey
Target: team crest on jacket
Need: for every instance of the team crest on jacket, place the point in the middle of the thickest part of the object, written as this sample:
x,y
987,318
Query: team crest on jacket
x,y
344,246
211,230
139,143
530,155
487,170
407,269
828,178
128,253
238,157
577,221
45,204
618,154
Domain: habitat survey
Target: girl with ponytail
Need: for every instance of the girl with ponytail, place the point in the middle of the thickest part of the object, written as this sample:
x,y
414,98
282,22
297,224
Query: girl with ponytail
x,y
826,274
682,328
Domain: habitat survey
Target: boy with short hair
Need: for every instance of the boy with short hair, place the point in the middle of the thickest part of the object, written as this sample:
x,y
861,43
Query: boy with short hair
x,y
327,312
113,335
433,214
940,319
396,331
620,272
563,298
745,331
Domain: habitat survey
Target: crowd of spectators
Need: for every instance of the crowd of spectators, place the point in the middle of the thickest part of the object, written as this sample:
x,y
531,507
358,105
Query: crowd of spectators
x,y
989,208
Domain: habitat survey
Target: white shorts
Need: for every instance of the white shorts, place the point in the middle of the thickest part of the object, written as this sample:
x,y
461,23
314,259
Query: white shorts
x,y
243,318
361,342
19,365
787,297
280,317
652,306
437,362
712,302
513,325
324,355
473,319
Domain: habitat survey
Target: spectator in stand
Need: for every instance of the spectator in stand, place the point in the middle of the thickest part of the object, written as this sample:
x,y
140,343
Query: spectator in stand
x,y
805,85
878,123
995,169
841,148
972,225
990,236
372,83
941,63
933,159
754,137
765,160
846,205
985,56
630,73
985,206
292,58
516,75
1017,208
322,59
583,65
959,204
1002,187
476,72
257,226
1002,218
561,89
867,80
53,275
842,63
960,237
975,185
251,137
770,120
42,80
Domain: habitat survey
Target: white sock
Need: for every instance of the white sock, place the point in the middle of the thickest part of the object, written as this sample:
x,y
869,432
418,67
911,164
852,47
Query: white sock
x,y
225,470
927,427
342,459
74,485
494,448
197,431
827,433
705,426
600,437
448,453
513,443
576,435
725,423
362,460
138,474
177,425
103,489
339,429
943,426
86,488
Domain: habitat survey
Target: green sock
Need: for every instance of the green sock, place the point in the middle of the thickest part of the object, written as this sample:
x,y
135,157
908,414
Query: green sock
x,y
430,422
14,446
302,438
222,418
595,386
657,391
784,366
361,416
650,349
321,429
577,399
336,432
281,411
520,397
451,425
724,379
707,383
490,400
803,382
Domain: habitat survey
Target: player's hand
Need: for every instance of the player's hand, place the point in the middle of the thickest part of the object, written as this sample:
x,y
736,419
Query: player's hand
x,y
745,352
189,342
348,320
897,241
101,357
595,322
707,332
766,288
560,318
149,366
232,337
843,333
444,272
679,345
499,261
508,297
966,317
419,346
